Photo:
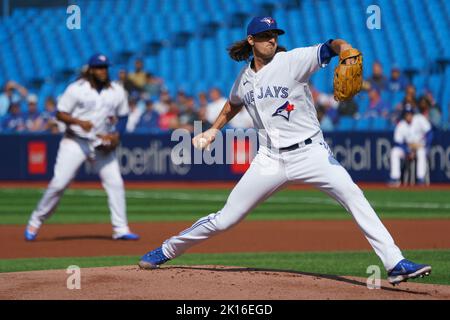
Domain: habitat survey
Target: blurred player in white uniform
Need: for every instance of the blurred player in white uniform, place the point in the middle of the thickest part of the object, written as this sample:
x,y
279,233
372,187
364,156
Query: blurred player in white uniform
x,y
412,138
274,89
95,111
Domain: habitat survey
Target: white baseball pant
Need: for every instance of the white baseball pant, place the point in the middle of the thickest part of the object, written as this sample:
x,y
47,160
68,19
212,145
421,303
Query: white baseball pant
x,y
397,154
72,153
312,164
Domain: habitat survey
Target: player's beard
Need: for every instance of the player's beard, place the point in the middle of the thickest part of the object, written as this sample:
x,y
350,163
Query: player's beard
x,y
98,82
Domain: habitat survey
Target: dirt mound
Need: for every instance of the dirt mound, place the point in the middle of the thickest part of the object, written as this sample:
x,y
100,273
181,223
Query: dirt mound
x,y
204,283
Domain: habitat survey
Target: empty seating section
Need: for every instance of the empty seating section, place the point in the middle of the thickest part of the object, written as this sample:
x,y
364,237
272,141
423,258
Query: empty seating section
x,y
185,41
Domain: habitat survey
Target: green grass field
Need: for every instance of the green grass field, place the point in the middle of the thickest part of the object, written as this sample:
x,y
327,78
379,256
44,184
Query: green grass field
x,y
90,206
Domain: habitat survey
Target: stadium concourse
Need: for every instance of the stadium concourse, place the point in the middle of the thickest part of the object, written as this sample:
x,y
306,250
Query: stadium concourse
x,y
171,55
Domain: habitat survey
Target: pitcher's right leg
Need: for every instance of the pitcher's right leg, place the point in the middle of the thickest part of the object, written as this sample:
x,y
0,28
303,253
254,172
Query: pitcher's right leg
x,y
265,176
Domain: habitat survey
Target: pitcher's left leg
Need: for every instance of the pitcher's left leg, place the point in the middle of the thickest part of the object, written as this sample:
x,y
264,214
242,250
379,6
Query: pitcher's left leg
x,y
324,172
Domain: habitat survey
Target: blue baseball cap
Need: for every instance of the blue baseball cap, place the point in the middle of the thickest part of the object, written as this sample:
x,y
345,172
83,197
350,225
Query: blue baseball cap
x,y
98,60
408,109
261,24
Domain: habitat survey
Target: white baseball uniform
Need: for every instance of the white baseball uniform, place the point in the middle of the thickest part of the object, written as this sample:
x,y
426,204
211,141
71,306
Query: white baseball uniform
x,y
84,102
278,99
405,134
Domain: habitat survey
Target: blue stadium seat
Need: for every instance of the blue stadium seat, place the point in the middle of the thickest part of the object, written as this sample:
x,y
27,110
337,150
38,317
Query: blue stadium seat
x,y
379,124
181,40
346,124
363,124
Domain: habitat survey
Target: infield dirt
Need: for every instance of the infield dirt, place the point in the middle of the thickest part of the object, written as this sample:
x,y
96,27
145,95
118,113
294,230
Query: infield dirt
x,y
87,240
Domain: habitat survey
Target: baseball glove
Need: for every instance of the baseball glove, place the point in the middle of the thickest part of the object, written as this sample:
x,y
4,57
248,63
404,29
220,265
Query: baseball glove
x,y
348,76
109,142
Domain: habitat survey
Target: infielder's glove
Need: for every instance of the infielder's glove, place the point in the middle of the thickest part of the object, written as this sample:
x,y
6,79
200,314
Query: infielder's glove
x,y
348,77
109,142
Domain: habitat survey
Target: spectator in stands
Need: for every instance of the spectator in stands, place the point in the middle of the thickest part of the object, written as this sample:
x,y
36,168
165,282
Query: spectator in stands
x,y
12,93
49,122
378,80
181,99
169,120
14,120
134,115
149,120
347,108
397,81
215,106
326,103
126,83
162,105
153,86
326,124
202,100
188,114
377,106
33,119
410,97
202,107
435,116
139,76
202,117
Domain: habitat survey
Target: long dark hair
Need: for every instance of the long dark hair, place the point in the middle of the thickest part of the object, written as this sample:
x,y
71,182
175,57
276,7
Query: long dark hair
x,y
242,50
87,76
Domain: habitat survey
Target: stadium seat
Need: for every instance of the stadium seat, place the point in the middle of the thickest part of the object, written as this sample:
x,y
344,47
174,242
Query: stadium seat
x,y
346,124
35,46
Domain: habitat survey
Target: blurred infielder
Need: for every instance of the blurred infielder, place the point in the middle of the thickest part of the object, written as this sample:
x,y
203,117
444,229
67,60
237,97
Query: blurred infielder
x,y
412,138
274,89
95,111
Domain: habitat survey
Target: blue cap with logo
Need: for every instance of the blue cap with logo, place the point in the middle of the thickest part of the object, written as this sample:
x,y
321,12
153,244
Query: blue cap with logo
x,y
98,60
261,24
407,109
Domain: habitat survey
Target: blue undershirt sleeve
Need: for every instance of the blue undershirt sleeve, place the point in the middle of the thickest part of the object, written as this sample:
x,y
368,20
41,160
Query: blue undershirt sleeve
x,y
326,53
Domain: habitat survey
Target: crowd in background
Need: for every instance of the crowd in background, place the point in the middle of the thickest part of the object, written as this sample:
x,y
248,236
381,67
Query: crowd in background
x,y
378,100
153,109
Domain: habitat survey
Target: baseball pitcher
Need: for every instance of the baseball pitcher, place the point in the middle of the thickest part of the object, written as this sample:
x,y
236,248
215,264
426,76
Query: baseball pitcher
x,y
273,87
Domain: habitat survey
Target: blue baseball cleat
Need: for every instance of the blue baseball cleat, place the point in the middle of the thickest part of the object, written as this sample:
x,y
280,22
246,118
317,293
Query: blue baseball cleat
x,y
152,259
30,236
126,236
406,269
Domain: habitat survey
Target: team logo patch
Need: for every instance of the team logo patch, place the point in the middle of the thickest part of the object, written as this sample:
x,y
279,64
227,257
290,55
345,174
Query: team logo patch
x,y
284,111
268,20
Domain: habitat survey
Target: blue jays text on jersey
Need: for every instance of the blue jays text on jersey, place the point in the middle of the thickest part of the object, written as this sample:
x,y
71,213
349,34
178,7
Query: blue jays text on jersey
x,y
267,92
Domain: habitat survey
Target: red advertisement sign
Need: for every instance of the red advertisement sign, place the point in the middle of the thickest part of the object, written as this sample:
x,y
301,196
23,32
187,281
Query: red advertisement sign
x,y
241,156
37,157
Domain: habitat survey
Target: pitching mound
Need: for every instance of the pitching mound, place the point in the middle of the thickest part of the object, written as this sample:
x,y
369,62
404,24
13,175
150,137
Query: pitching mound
x,y
204,282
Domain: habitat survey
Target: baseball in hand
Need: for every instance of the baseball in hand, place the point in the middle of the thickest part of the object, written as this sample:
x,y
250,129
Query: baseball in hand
x,y
201,143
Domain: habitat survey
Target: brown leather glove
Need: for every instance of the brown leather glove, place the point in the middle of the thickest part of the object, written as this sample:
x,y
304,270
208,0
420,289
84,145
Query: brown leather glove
x,y
348,75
